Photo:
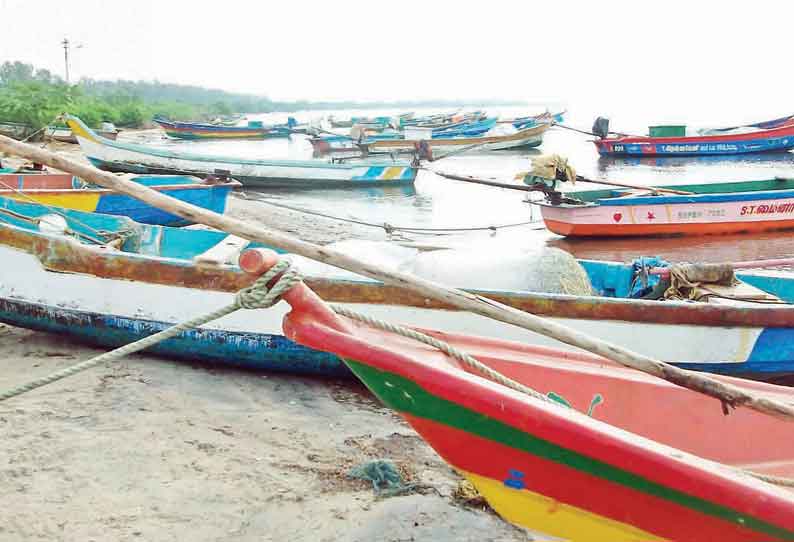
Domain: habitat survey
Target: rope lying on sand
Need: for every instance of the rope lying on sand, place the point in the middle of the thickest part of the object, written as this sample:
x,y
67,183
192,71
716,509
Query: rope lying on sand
x,y
256,296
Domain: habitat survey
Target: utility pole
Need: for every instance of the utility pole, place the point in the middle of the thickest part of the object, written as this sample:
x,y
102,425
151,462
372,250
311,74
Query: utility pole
x,y
65,44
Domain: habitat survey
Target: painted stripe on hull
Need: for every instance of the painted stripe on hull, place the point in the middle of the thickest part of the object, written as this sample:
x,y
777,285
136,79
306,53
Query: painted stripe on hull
x,y
258,351
553,518
208,197
476,443
635,230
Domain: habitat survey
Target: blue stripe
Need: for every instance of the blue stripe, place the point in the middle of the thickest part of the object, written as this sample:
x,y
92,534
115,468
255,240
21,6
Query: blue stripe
x,y
257,351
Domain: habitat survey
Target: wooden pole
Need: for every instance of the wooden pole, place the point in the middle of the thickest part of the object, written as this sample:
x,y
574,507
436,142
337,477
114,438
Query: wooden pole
x,y
637,186
728,394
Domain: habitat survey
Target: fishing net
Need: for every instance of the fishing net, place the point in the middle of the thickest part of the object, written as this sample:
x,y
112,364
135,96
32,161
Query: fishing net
x,y
540,269
385,477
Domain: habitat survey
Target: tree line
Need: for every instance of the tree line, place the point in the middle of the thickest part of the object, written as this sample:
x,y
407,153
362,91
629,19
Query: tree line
x,y
36,96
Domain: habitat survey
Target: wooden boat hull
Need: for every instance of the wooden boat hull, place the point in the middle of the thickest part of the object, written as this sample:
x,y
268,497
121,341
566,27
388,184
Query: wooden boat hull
x,y
190,131
620,473
674,215
69,192
531,137
124,157
778,139
65,135
125,288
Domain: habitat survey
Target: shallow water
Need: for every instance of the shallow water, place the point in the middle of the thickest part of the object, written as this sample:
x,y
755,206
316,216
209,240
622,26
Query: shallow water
x,y
435,202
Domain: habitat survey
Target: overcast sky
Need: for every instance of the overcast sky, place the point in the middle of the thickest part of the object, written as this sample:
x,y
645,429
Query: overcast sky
x,y
726,60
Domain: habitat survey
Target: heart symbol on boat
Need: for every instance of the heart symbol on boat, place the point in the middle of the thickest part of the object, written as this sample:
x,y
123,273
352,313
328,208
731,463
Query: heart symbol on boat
x,y
617,217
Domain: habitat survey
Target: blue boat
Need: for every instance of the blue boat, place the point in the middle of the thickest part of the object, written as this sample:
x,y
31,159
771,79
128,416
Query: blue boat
x,y
63,278
73,193
770,136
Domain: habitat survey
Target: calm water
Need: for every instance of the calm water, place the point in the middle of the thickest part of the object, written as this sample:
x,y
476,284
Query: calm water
x,y
435,202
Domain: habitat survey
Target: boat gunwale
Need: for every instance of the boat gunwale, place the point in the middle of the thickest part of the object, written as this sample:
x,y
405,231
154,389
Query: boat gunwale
x,y
62,254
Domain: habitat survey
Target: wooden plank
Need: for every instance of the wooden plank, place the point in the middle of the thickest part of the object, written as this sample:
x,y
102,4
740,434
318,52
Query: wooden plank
x,y
225,252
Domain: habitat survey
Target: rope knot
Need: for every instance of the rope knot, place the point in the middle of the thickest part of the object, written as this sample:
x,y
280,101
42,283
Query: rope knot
x,y
259,296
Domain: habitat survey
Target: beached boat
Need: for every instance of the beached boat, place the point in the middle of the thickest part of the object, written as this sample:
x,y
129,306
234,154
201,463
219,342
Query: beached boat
x,y
132,158
161,275
64,190
717,208
496,139
15,130
201,130
64,134
774,135
609,455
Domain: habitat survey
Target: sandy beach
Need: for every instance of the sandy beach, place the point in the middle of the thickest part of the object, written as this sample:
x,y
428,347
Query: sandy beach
x,y
154,450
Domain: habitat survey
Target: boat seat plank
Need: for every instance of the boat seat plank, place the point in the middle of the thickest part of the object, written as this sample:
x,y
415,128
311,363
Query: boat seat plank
x,y
225,252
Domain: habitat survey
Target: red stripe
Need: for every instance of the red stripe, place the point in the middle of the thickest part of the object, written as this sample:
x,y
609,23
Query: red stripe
x,y
576,488
634,230
777,132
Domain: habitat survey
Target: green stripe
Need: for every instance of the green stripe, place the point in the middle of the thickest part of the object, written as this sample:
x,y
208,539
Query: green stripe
x,y
404,395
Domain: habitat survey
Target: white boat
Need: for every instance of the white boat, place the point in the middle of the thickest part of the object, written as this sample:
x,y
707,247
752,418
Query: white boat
x,y
119,156
121,289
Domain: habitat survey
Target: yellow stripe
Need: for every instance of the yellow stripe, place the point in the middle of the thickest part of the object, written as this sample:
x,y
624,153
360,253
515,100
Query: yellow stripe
x,y
391,172
78,129
544,515
80,201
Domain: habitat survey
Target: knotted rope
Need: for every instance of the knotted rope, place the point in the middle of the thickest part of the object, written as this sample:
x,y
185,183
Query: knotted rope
x,y
255,296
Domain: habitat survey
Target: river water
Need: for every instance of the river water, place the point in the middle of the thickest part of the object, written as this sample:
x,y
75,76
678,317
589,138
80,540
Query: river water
x,y
435,202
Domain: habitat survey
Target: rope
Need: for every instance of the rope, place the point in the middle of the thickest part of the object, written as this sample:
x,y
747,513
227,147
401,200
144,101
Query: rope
x,y
447,348
388,228
256,296
585,132
100,233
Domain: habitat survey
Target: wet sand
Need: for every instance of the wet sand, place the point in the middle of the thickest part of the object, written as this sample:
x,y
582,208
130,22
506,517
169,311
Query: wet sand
x,y
155,450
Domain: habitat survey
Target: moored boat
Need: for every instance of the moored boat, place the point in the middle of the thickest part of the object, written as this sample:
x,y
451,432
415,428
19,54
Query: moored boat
x,y
593,459
15,130
200,130
768,136
64,133
698,209
132,158
496,139
161,275
67,191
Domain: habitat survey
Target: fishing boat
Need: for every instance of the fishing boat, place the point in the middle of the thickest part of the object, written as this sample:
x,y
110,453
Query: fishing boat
x,y
687,209
67,191
497,139
773,135
360,138
532,120
200,130
64,133
134,279
121,156
601,453
15,130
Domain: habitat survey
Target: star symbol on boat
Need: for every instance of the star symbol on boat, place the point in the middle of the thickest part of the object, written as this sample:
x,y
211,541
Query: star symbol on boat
x,y
651,216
